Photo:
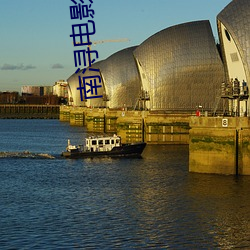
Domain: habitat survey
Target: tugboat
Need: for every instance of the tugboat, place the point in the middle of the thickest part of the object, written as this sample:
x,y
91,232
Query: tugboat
x,y
96,146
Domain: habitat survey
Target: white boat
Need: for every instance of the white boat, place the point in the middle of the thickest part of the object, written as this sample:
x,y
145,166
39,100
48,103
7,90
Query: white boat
x,y
103,146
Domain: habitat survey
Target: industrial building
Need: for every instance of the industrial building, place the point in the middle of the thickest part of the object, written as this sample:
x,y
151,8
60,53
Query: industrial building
x,y
60,89
9,97
37,90
53,95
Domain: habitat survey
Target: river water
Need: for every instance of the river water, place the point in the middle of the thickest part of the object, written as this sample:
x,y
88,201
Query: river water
x,y
150,203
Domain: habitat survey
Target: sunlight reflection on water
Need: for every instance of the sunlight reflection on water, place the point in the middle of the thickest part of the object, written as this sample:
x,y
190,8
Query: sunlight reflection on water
x,y
151,202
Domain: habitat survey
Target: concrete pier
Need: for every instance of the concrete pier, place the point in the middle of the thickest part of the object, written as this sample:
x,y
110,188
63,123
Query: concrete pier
x,y
132,126
167,129
219,145
64,114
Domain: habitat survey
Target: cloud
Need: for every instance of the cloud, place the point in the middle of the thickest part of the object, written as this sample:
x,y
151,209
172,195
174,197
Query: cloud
x,y
21,66
28,67
57,66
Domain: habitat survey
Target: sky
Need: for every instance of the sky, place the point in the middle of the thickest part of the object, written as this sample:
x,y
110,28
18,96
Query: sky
x,y
35,43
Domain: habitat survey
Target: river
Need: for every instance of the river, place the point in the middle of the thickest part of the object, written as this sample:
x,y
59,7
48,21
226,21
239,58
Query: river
x,y
48,202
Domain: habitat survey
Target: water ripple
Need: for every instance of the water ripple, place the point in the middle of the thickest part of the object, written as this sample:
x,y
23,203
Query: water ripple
x,y
26,154
148,203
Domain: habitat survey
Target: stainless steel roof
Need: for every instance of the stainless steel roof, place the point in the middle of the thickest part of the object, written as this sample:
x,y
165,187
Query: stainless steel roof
x,y
73,82
121,79
181,67
236,18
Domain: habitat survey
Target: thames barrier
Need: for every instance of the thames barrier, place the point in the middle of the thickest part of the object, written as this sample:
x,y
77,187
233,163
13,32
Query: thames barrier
x,y
154,90
219,145
132,126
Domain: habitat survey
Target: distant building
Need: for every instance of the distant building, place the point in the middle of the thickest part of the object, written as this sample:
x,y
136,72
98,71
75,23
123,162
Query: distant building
x,y
30,90
60,89
39,95
37,90
9,97
47,90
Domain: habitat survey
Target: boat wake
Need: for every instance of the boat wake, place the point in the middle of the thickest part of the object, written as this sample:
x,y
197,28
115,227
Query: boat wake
x,y
26,154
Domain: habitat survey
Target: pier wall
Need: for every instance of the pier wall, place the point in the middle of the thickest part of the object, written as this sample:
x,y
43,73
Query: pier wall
x,y
219,145
17,111
132,126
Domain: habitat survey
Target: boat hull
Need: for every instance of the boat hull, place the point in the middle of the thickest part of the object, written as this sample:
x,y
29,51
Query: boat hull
x,y
126,150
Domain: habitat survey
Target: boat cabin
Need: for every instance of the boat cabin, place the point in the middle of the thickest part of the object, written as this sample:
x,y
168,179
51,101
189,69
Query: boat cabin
x,y
105,143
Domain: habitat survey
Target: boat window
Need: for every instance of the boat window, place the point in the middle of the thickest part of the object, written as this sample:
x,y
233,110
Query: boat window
x,y
117,141
107,142
100,142
94,142
112,141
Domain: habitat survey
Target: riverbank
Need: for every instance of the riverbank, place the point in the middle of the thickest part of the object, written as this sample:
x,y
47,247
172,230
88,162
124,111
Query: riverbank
x,y
24,111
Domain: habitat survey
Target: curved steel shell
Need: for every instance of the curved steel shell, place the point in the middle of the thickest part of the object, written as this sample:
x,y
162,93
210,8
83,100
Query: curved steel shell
x,y
180,67
121,84
236,18
121,79
73,83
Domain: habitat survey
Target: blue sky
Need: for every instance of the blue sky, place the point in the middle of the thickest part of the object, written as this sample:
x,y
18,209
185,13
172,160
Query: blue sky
x,y
34,34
